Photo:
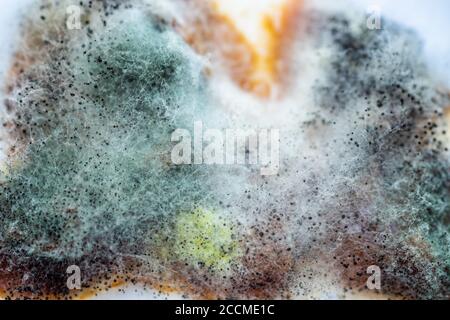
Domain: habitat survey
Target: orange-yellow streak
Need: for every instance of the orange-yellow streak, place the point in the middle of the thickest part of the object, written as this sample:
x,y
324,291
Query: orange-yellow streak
x,y
264,26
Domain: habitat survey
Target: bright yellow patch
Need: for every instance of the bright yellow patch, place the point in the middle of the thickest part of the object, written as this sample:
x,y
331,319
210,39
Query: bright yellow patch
x,y
205,238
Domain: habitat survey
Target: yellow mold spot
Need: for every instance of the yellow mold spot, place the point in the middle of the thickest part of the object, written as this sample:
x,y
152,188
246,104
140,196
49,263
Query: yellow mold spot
x,y
205,238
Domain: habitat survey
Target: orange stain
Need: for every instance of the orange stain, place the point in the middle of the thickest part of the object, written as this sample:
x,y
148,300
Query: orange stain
x,y
251,42
264,28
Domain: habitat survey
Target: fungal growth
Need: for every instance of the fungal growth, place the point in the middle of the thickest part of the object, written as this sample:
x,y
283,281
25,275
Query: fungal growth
x,y
364,175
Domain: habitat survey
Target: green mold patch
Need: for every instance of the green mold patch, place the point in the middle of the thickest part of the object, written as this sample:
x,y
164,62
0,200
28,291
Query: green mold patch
x,y
205,239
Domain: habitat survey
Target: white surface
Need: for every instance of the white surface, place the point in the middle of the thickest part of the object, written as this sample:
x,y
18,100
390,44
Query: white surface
x,y
10,13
